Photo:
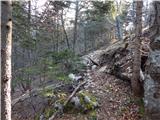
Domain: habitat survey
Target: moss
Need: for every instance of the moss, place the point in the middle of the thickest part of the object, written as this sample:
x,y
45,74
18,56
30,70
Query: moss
x,y
47,92
68,107
36,117
62,96
92,115
63,77
141,107
87,108
82,94
48,112
90,105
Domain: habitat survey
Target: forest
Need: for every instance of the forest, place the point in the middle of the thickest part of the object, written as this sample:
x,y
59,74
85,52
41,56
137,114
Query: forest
x,y
80,59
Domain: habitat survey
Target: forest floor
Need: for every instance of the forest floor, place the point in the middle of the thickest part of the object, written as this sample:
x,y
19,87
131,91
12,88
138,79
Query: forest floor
x,y
113,95
115,99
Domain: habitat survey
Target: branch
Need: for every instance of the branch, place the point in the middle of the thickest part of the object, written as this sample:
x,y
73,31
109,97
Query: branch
x,y
27,94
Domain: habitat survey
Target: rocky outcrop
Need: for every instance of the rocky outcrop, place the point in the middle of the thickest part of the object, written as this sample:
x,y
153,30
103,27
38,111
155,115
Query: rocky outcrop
x,y
152,83
152,78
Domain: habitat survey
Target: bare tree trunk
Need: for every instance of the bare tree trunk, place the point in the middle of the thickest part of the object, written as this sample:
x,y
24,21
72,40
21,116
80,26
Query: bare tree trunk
x,y
118,24
135,82
29,51
67,40
119,30
85,40
75,25
6,51
57,33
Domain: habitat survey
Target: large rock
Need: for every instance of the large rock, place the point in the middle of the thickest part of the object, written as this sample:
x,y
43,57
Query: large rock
x,y
152,98
152,85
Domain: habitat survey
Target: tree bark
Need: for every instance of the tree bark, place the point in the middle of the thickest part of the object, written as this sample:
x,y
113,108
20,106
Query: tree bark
x,y
28,84
75,25
57,33
6,51
118,24
85,40
135,82
64,30
119,30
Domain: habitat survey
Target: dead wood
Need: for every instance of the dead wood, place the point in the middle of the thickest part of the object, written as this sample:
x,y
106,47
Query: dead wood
x,y
121,76
33,91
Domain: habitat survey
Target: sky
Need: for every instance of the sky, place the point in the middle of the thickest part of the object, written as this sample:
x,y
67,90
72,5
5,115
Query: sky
x,y
71,13
40,4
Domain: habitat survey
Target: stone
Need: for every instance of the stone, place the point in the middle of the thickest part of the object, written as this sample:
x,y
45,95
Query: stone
x,y
76,102
102,69
74,77
42,117
153,65
87,99
156,43
94,67
152,98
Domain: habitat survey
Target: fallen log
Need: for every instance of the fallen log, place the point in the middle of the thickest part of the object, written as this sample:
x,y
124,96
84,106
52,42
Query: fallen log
x,y
121,77
116,71
36,90
68,100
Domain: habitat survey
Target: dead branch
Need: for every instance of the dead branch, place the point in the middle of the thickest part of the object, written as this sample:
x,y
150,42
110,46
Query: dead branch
x,y
121,76
36,90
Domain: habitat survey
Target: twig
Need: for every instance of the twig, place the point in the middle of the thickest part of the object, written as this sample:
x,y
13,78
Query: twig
x,y
74,92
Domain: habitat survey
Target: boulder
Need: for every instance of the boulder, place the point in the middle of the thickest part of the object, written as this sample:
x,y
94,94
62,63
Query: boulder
x,y
152,83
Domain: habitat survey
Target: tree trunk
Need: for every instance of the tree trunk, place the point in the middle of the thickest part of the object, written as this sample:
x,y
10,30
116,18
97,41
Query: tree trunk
x,y
152,78
118,24
119,30
64,30
75,25
57,33
6,51
85,40
135,82
28,84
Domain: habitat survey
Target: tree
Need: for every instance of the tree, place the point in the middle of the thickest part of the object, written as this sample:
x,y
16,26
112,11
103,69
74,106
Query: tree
x,y
100,9
6,51
63,26
135,82
118,23
23,45
75,24
29,51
